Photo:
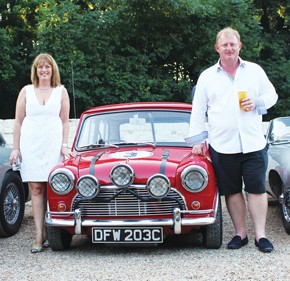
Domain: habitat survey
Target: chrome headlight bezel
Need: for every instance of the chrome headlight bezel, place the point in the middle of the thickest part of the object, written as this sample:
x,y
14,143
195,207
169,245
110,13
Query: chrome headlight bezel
x,y
151,185
194,171
88,183
60,177
120,173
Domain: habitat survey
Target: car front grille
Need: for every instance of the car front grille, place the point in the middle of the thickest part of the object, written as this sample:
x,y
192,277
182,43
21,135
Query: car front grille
x,y
133,202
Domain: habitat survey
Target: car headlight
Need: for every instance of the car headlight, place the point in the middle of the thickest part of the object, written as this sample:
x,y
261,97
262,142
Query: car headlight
x,y
122,175
158,186
194,178
88,186
61,181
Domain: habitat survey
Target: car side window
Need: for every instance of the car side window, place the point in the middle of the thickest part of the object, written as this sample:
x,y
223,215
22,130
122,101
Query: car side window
x,y
281,130
2,141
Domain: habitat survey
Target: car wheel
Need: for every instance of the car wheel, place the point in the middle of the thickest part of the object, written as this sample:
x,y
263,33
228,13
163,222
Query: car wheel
x,y
212,234
12,204
285,209
58,238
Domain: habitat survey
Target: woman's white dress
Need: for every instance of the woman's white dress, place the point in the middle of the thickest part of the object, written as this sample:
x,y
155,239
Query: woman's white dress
x,y
41,136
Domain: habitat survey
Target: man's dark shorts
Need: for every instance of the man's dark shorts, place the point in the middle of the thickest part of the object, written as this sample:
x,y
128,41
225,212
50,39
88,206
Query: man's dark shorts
x,y
232,169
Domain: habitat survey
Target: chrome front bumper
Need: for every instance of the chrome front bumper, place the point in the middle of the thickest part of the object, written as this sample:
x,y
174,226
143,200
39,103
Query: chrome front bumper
x,y
57,219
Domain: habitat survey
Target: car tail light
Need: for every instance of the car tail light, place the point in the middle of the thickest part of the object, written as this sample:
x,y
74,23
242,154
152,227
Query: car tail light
x,y
61,181
194,178
158,186
88,186
122,175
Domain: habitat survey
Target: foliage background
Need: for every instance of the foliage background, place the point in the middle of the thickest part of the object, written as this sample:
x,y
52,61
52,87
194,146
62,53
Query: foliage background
x,y
115,51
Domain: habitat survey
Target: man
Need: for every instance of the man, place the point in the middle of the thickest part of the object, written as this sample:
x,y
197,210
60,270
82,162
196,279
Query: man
x,y
236,139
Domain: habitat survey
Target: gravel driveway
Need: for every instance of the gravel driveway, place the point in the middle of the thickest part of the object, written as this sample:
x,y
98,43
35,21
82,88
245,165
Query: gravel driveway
x,y
177,259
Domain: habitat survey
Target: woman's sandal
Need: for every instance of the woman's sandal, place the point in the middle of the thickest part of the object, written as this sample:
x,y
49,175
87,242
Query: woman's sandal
x,y
35,249
45,244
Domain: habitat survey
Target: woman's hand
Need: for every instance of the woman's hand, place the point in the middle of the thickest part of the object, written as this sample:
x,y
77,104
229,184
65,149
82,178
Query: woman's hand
x,y
15,154
66,152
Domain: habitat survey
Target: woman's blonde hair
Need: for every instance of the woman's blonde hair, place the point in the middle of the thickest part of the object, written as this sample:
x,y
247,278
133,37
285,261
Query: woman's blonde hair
x,y
41,58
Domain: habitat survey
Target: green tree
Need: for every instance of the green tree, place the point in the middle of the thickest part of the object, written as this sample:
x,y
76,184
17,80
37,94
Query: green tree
x,y
112,51
125,51
17,36
275,51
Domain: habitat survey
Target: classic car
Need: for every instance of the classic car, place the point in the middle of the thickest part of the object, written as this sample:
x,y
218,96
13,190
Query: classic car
x,y
13,194
133,179
278,173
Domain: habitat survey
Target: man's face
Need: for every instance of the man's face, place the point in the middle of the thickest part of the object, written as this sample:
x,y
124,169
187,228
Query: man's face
x,y
228,47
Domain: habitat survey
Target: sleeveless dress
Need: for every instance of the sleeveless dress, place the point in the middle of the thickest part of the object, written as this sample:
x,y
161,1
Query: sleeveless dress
x,y
41,136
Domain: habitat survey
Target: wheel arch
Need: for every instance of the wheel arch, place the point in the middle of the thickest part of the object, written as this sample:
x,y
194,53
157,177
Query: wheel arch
x,y
275,183
4,173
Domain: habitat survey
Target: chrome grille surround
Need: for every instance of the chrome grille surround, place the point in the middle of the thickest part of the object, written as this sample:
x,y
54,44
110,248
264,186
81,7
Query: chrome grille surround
x,y
112,201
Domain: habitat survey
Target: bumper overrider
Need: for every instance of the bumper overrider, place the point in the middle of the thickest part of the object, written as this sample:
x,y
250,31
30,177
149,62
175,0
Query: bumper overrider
x,y
64,219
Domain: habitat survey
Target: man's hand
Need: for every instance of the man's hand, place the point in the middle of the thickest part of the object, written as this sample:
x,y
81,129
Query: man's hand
x,y
248,104
199,149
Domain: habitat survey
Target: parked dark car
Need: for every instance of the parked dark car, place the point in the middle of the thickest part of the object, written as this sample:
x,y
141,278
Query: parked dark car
x,y
278,174
13,194
133,179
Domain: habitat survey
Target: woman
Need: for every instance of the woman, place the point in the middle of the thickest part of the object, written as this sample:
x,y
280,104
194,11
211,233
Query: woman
x,y
40,135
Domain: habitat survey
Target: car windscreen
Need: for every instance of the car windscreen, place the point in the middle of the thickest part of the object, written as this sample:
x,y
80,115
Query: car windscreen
x,y
157,127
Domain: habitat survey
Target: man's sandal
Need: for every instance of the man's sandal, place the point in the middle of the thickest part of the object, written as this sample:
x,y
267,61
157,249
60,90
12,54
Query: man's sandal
x,y
35,249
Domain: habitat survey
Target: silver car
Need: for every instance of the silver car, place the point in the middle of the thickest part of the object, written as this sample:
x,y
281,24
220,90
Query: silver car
x,y
13,194
278,173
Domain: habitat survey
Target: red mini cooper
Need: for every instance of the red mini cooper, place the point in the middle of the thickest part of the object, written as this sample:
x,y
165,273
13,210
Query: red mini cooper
x,y
133,179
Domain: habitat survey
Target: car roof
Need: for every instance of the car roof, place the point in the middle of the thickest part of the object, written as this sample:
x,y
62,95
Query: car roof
x,y
140,106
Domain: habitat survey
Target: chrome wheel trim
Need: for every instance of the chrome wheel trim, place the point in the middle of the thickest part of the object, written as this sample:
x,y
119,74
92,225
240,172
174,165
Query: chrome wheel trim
x,y
11,206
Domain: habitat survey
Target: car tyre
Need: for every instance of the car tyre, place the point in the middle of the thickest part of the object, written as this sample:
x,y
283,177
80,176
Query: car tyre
x,y
212,234
12,204
59,239
285,209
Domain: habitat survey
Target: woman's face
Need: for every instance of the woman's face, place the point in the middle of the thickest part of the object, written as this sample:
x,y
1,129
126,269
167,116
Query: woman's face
x,y
44,71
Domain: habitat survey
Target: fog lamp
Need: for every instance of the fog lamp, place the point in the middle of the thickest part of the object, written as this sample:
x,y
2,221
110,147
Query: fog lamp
x,y
88,186
158,186
122,175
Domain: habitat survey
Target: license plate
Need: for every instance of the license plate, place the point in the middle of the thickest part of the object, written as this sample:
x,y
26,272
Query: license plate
x,y
127,235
